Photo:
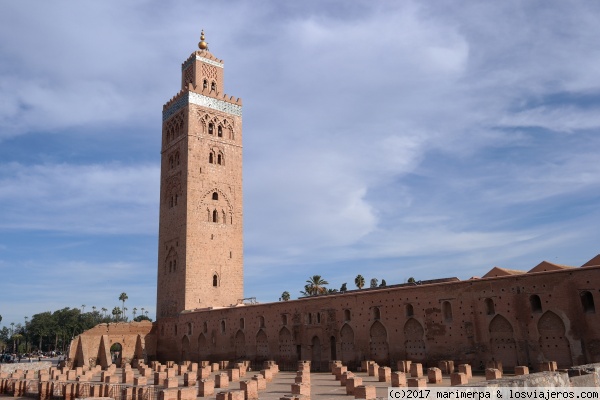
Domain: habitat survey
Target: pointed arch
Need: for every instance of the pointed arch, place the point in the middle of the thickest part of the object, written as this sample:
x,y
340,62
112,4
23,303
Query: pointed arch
x,y
347,344
503,346
185,348
315,353
414,343
262,345
379,342
553,342
203,352
240,344
286,344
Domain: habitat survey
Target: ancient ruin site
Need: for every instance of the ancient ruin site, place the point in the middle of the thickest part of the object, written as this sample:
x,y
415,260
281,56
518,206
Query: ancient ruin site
x,y
539,327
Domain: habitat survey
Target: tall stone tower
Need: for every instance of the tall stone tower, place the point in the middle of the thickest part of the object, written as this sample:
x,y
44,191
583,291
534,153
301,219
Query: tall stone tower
x,y
200,250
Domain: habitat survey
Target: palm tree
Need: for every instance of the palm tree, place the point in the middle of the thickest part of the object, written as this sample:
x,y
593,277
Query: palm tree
x,y
104,310
123,297
285,296
134,312
116,312
315,286
359,281
143,310
82,308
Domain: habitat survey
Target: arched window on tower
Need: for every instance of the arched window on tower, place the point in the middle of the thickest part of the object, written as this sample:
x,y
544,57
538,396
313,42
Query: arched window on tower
x,y
215,216
215,280
347,316
219,159
215,196
211,158
213,86
220,131
211,127
205,84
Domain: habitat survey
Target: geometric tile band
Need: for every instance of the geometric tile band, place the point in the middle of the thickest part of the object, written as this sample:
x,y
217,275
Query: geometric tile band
x,y
201,100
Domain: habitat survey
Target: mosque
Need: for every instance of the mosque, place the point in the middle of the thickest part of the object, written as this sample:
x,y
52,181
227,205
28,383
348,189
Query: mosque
x,y
515,317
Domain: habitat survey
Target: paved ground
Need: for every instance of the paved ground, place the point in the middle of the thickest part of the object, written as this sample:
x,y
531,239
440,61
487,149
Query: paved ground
x,y
324,386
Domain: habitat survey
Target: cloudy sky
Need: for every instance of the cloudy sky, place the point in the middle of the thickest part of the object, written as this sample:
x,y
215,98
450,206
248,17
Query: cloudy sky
x,y
387,138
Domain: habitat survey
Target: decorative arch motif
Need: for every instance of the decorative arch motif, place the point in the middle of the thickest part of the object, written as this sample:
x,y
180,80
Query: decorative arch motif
x,y
170,265
226,124
173,127
414,343
286,344
378,342
217,207
203,351
262,346
240,344
347,344
185,348
553,343
502,341
315,353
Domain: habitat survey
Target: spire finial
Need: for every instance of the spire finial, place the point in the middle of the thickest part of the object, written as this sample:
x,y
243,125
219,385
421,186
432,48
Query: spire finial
x,y
202,45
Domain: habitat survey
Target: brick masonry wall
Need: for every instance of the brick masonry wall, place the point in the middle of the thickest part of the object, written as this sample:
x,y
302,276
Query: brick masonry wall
x,y
379,326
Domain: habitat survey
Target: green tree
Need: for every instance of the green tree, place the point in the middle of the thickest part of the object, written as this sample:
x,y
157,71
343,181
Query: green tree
x,y
285,296
315,286
123,297
116,312
142,318
344,287
359,281
41,327
411,280
383,283
374,282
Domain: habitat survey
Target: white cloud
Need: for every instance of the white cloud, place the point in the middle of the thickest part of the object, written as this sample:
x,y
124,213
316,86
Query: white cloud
x,y
80,198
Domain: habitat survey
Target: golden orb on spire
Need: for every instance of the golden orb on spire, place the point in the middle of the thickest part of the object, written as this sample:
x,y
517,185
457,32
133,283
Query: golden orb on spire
x,y
202,45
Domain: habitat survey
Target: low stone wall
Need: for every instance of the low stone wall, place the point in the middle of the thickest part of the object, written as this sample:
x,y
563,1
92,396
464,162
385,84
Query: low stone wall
x,y
587,375
547,379
31,366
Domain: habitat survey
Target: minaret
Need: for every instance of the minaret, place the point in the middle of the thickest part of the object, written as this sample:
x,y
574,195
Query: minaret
x,y
200,250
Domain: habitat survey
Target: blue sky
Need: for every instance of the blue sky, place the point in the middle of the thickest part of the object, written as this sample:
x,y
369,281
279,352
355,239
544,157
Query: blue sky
x,y
391,139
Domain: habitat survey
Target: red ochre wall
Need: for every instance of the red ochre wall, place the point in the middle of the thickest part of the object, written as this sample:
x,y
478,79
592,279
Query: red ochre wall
x,y
451,320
